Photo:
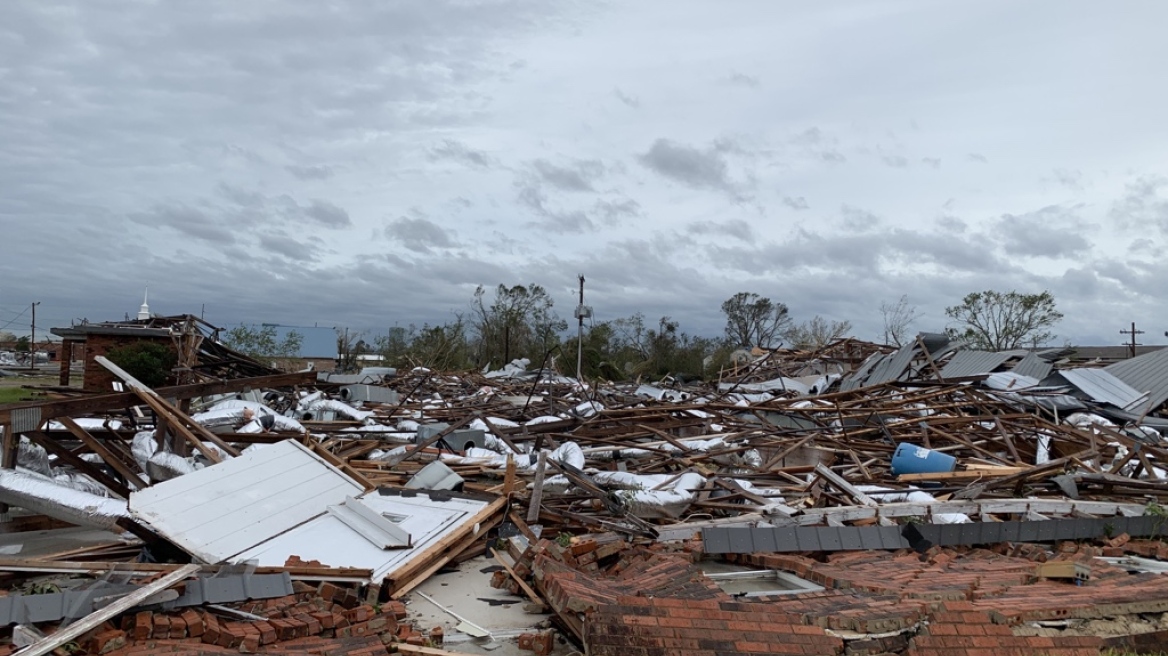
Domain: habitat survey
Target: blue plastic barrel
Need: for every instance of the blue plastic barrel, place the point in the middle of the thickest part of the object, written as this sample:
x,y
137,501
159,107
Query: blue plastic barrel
x,y
913,459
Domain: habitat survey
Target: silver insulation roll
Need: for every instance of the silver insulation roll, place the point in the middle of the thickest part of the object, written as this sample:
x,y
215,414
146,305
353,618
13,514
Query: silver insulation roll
x,y
42,495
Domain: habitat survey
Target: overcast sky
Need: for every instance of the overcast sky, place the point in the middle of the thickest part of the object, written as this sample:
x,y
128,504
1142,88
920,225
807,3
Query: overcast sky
x,y
366,164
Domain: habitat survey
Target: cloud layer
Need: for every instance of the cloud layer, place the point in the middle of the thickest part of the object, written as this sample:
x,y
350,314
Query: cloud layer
x,y
366,165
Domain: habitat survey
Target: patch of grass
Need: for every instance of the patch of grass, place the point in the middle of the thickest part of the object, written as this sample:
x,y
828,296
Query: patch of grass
x,y
15,394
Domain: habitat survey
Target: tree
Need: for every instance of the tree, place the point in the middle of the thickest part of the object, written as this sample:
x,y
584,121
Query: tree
x,y
753,320
262,344
22,344
817,333
996,321
518,322
7,337
149,362
897,319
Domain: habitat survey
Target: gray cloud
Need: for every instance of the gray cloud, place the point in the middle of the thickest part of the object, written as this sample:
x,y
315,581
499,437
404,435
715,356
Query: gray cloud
x,y
419,234
1071,179
932,162
895,161
460,152
317,172
287,247
327,214
977,157
578,175
698,169
189,221
627,99
736,228
1052,231
1142,205
796,203
612,211
743,80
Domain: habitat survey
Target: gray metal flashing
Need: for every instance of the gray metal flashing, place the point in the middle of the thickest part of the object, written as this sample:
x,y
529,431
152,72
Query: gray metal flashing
x,y
787,539
1104,387
1146,373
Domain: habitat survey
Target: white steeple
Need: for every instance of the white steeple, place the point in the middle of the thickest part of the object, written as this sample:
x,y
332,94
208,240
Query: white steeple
x,y
144,311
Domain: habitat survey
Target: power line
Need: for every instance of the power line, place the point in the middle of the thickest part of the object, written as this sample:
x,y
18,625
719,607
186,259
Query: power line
x,y
14,319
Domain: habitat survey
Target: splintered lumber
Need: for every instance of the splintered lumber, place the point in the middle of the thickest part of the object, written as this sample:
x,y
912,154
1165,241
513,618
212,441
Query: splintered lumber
x,y
419,567
107,456
95,619
844,486
531,594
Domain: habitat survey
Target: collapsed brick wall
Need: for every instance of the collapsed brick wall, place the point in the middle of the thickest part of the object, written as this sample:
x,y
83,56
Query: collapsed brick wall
x,y
642,626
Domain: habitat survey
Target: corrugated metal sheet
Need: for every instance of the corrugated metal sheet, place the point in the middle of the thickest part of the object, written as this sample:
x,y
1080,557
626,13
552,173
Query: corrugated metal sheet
x,y
888,368
1103,387
852,380
973,363
1146,373
1032,365
218,512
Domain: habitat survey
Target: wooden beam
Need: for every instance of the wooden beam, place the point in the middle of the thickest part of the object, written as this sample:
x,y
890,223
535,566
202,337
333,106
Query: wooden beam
x,y
844,486
89,469
108,456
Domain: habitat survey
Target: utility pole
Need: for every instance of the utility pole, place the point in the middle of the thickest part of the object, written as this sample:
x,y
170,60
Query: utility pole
x,y
1131,347
32,337
582,312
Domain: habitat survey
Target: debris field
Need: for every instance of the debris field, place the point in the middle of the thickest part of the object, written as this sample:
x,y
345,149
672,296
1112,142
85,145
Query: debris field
x,y
857,499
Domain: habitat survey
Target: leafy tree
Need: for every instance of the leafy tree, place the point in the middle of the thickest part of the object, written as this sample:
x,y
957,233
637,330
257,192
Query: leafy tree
x,y
817,333
519,322
261,343
22,344
753,320
6,337
996,321
897,319
149,362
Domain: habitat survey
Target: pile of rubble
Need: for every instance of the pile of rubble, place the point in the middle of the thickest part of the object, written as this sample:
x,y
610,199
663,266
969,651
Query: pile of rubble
x,y
855,499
